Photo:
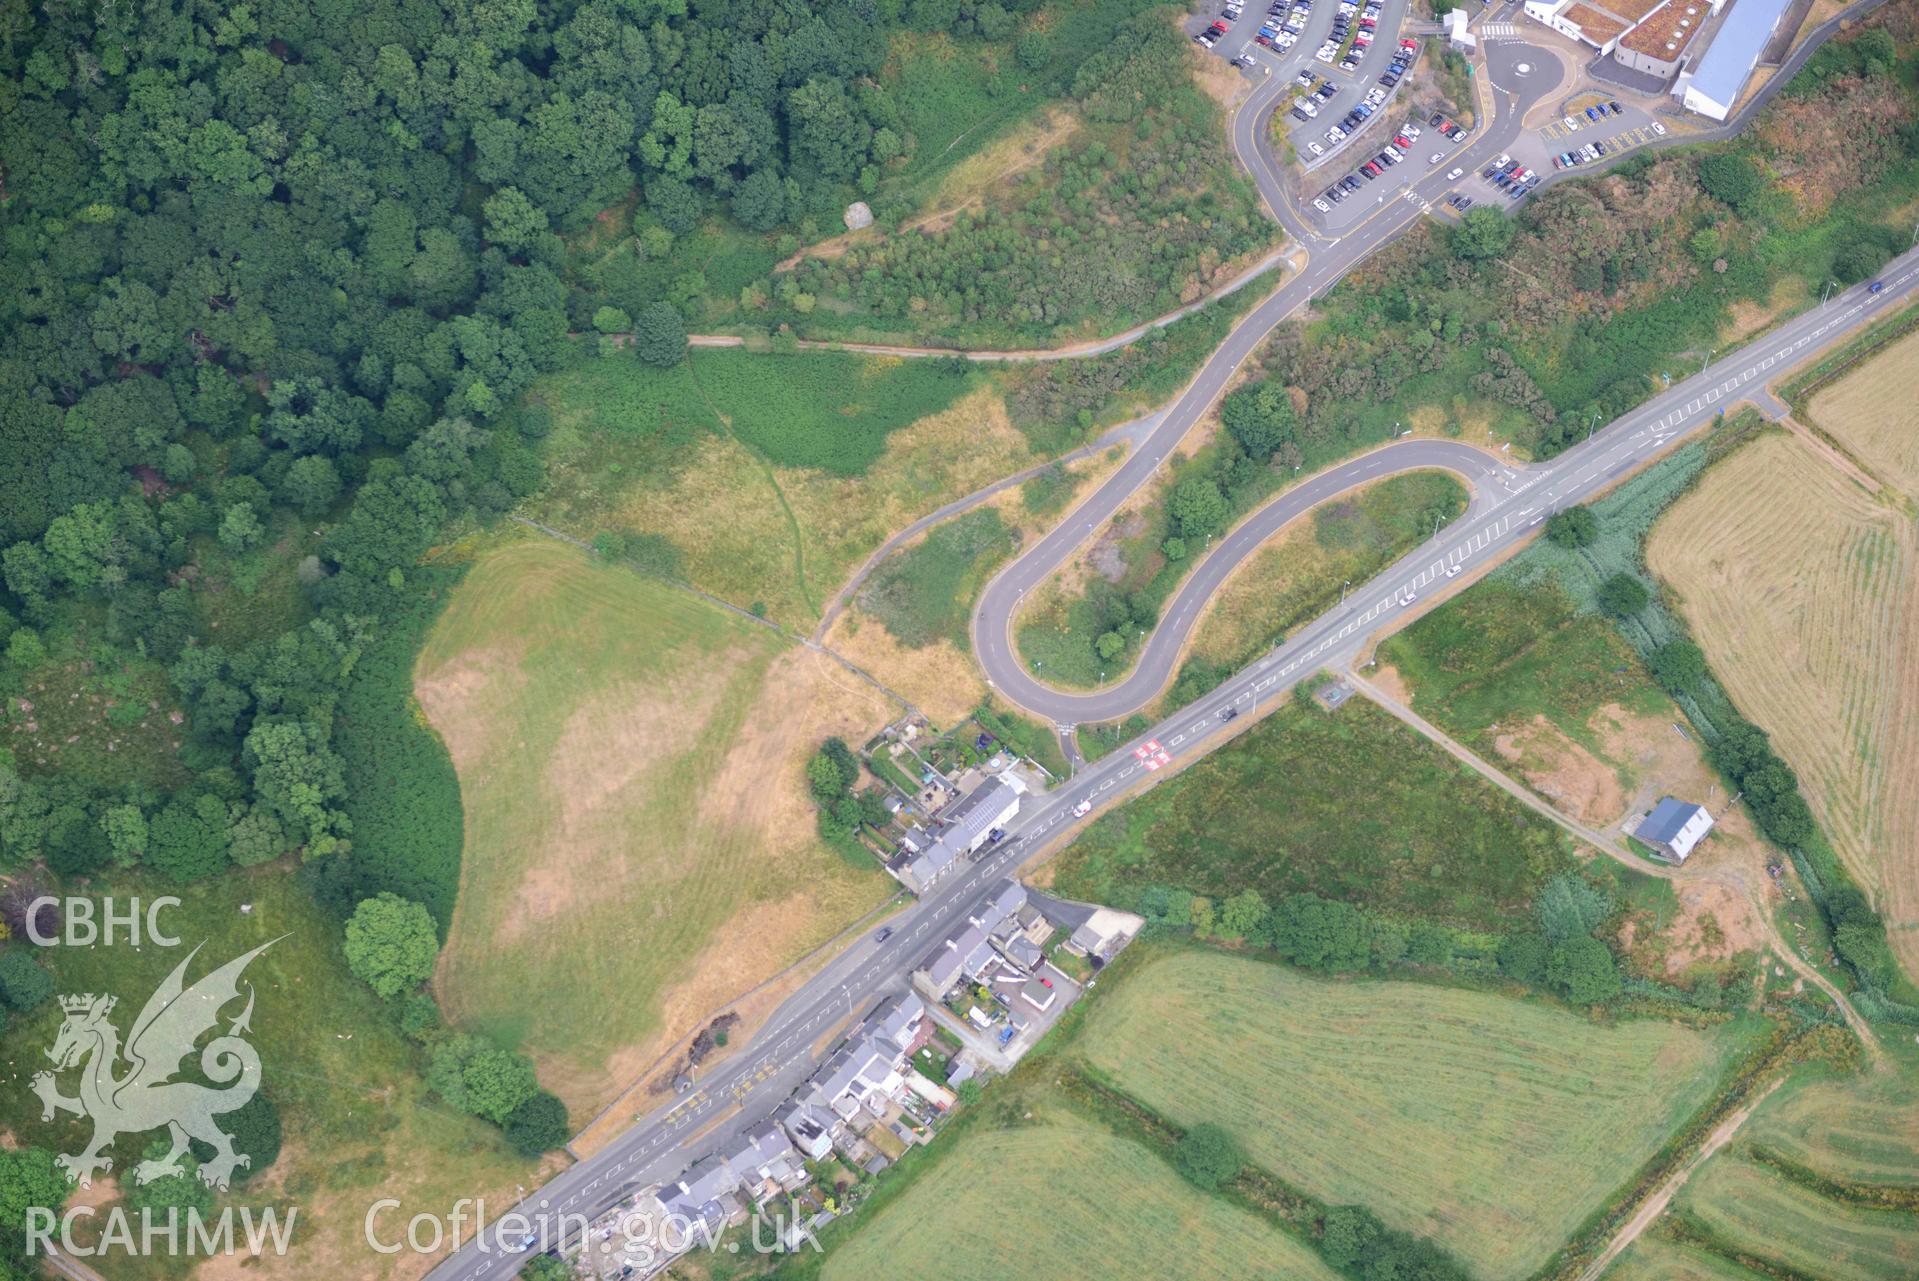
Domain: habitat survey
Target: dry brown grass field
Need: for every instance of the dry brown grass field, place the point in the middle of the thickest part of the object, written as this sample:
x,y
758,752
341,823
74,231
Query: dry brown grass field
x,y
638,833
1799,585
1874,412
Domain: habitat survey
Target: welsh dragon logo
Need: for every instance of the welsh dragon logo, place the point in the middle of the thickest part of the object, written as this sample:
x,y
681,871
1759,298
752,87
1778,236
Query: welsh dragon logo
x,y
145,1096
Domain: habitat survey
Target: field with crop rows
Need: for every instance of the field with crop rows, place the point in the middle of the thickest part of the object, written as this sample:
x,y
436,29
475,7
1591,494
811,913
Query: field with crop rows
x,y
1059,1199
1653,1258
1492,1125
1874,414
1800,588
1859,1130
1781,1220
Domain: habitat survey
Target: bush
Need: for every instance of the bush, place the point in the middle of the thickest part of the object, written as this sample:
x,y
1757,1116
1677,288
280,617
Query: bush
x,y
1623,595
1206,1156
1574,527
659,335
1583,971
537,1125
390,944
1730,178
1680,666
24,985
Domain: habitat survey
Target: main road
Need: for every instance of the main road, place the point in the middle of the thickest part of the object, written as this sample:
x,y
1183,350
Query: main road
x,y
746,1088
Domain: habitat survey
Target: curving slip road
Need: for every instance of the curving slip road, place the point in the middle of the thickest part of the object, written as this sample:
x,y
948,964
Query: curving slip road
x,y
994,616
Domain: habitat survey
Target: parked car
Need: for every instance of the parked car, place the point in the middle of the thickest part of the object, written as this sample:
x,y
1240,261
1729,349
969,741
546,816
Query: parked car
x,y
1316,148
1658,128
1617,109
1592,113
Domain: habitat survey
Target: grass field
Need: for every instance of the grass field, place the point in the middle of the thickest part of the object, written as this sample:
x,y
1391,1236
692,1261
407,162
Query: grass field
x,y
1493,1126
637,830
1059,1197
1812,1184
1351,805
1298,575
1800,588
358,1121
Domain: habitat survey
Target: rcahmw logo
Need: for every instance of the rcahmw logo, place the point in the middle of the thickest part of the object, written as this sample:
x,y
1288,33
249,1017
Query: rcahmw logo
x,y
130,1090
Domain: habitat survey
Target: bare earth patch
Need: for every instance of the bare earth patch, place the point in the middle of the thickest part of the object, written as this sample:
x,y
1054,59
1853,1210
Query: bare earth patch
x,y
1563,771
1714,922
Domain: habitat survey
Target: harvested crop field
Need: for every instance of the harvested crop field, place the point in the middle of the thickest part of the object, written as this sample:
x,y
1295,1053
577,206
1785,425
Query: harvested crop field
x,y
1492,1125
1064,1198
1874,414
1800,588
637,828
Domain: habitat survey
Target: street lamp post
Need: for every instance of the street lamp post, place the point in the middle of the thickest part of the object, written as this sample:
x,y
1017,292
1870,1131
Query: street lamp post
x,y
1592,426
1342,591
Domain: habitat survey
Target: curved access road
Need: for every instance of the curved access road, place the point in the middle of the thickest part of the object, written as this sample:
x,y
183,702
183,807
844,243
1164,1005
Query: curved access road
x,y
993,617
1159,658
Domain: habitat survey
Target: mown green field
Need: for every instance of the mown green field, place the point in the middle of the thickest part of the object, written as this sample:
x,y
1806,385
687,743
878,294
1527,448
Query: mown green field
x,y
1350,805
1823,1180
1865,1130
1493,1126
1782,1221
1061,1198
1653,1258
593,715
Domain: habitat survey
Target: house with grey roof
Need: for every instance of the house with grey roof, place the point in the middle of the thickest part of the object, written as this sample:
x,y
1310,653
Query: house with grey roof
x,y
962,828
1673,828
968,952
810,1129
766,1163
702,1199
